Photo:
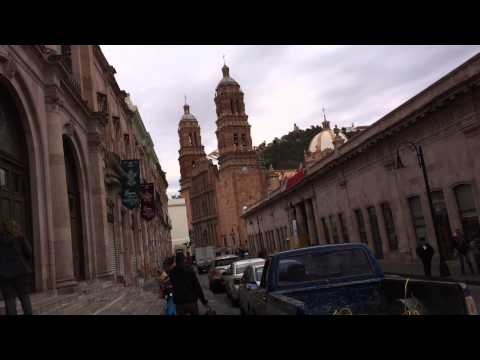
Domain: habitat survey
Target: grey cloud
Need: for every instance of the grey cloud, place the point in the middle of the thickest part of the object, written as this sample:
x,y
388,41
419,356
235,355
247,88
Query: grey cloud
x,y
354,83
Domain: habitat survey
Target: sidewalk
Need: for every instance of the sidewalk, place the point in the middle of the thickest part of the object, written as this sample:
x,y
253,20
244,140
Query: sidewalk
x,y
415,269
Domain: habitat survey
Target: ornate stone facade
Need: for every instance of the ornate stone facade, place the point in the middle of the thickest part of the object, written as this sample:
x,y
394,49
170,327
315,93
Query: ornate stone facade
x,y
77,127
217,196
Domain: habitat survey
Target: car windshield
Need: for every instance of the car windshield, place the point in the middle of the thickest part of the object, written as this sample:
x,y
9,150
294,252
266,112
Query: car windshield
x,y
314,266
258,273
241,269
225,262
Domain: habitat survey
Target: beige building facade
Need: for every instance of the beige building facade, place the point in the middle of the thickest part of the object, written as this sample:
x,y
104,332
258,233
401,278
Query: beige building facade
x,y
359,190
65,125
177,212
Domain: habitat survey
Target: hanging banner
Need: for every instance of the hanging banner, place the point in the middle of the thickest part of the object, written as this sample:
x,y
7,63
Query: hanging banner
x,y
147,193
131,184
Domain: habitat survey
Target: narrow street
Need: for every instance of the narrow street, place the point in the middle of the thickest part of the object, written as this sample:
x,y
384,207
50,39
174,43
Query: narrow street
x,y
107,298
219,302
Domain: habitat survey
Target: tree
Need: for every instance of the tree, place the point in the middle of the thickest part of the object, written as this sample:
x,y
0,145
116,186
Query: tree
x,y
288,151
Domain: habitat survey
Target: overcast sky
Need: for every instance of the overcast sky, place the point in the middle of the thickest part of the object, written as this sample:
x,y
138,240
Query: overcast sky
x,y
283,85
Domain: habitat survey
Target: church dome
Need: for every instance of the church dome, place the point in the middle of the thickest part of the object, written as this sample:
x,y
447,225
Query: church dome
x,y
226,80
324,139
186,115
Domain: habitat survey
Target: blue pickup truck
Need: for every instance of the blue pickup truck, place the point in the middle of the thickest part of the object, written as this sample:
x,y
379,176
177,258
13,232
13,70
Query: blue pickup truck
x,y
347,279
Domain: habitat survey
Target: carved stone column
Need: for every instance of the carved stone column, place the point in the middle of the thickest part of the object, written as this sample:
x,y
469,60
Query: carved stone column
x,y
103,250
64,271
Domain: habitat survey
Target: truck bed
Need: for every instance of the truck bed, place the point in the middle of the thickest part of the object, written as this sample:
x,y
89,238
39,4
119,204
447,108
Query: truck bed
x,y
381,297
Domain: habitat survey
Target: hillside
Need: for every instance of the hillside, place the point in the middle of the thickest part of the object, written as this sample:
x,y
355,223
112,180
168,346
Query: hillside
x,y
287,152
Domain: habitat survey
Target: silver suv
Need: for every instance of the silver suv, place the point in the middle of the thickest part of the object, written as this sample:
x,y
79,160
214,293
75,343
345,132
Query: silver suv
x,y
217,268
233,275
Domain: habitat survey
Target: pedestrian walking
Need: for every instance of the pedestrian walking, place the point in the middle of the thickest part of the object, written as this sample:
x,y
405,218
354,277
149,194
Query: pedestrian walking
x,y
425,253
15,270
186,288
463,249
166,288
476,249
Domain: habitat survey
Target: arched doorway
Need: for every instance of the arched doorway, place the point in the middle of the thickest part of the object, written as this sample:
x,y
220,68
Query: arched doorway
x,y
14,172
75,210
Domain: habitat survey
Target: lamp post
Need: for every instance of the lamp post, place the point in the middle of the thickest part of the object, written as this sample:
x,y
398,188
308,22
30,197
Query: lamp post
x,y
444,271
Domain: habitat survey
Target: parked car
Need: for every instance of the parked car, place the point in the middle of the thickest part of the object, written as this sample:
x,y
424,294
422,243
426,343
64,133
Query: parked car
x,y
348,279
249,282
233,275
217,268
204,257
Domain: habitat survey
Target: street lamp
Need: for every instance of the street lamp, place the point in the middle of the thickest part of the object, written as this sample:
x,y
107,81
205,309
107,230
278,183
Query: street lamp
x,y
232,235
444,271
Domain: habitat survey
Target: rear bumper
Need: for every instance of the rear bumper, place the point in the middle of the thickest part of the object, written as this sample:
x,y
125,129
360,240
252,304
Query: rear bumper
x,y
202,268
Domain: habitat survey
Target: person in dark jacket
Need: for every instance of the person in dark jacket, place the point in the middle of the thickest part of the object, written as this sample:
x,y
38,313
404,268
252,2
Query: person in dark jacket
x,y
15,270
463,249
425,253
166,289
186,287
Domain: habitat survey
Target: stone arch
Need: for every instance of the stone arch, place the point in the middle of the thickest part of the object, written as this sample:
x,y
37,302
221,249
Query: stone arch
x,y
80,155
75,208
42,228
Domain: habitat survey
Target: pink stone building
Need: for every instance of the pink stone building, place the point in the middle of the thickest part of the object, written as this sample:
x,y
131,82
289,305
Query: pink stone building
x,y
356,190
64,127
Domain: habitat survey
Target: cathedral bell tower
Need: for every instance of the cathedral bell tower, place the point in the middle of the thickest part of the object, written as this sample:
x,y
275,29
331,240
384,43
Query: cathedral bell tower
x,y
233,129
191,151
191,148
242,180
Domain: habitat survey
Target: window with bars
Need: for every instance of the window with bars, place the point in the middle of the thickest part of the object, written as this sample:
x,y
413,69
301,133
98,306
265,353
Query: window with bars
x,y
326,232
102,102
343,228
389,226
467,211
418,219
362,231
377,239
333,226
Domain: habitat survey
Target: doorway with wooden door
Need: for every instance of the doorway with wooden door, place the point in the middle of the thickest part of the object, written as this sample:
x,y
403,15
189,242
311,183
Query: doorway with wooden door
x,y
74,202
14,171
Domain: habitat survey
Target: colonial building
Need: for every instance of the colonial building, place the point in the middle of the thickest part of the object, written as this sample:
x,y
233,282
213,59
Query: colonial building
x,y
216,196
64,127
369,188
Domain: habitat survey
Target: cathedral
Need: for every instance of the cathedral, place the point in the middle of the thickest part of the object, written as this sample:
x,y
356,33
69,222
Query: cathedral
x,y
217,194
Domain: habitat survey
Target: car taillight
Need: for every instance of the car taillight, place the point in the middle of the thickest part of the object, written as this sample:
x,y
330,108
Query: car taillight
x,y
471,306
